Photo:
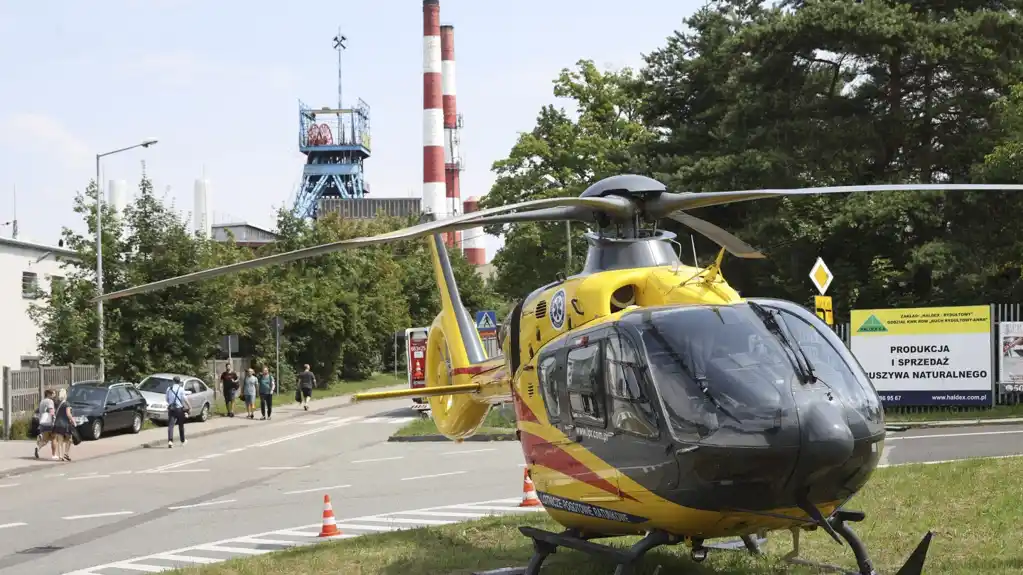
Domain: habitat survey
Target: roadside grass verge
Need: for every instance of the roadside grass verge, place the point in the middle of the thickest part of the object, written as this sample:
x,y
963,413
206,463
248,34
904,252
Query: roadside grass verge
x,y
335,389
497,421
971,505
896,416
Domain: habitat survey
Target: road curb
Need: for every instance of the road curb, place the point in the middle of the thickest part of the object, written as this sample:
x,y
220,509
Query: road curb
x,y
955,423
480,437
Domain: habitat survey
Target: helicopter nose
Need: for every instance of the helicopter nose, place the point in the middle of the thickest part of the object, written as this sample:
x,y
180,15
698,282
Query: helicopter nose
x,y
827,441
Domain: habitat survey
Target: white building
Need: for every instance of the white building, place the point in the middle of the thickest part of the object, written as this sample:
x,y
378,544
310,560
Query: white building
x,y
24,267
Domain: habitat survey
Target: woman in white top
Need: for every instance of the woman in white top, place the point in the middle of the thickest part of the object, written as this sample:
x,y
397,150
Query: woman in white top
x,y
46,417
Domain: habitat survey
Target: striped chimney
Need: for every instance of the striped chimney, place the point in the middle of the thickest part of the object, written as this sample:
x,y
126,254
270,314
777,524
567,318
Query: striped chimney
x,y
452,157
472,239
433,115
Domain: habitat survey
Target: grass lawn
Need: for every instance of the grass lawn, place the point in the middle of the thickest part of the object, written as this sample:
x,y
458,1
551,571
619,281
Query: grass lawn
x,y
999,411
335,389
497,421
972,506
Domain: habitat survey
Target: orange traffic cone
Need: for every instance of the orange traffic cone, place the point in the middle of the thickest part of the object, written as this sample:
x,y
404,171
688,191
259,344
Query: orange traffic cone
x,y
529,498
329,528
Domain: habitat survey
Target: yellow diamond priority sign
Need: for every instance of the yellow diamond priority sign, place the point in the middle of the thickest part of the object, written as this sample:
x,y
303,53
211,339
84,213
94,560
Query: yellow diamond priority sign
x,y
821,276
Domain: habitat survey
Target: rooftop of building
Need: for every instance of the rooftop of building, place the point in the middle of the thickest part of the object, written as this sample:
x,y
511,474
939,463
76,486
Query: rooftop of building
x,y
35,246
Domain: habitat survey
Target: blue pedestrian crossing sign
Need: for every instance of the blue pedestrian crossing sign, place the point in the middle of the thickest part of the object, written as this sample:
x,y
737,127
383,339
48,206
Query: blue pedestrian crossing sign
x,y
486,319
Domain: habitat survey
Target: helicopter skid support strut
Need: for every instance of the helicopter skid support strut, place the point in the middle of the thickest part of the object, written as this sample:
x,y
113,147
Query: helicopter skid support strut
x,y
546,543
839,522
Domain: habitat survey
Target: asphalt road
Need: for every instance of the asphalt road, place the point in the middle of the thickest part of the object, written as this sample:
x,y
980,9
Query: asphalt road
x,y
260,489
270,476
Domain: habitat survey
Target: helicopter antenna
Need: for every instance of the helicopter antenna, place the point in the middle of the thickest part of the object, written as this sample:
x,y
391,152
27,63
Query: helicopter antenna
x,y
692,242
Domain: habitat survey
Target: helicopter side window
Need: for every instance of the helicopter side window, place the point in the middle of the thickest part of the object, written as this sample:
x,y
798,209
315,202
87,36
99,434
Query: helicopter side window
x,y
549,386
584,386
631,410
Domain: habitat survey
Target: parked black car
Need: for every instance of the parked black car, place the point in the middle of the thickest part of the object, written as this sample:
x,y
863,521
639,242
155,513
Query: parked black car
x,y
106,406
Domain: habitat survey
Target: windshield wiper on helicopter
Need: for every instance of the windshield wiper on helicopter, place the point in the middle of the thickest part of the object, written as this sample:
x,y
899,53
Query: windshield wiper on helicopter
x,y
792,349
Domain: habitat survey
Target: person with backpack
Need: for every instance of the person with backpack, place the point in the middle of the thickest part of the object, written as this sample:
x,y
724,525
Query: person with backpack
x,y
177,409
267,385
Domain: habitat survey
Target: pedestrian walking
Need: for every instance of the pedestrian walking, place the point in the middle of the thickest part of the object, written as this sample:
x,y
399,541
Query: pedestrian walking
x,y
229,382
306,381
267,385
63,427
249,387
177,409
46,419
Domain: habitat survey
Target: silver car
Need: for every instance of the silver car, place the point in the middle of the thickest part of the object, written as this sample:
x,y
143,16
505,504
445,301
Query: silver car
x,y
154,389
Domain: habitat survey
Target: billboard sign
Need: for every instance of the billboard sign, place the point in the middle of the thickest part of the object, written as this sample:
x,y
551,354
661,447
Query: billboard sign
x,y
1010,355
926,356
415,351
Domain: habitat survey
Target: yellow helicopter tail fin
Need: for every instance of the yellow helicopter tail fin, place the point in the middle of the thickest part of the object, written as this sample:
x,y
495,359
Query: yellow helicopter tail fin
x,y
461,382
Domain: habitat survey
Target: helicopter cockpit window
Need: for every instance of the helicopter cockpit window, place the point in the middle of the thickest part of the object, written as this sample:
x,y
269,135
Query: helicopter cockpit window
x,y
549,386
830,365
631,410
716,367
584,385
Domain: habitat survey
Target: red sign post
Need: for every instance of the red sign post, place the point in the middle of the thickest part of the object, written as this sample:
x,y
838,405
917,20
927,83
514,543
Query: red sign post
x,y
415,346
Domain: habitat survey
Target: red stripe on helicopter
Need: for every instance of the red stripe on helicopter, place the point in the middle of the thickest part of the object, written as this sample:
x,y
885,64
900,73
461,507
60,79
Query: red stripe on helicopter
x,y
542,452
473,369
522,411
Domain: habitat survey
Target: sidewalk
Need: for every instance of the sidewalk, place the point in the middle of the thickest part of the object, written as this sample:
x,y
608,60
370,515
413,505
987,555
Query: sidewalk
x,y
16,456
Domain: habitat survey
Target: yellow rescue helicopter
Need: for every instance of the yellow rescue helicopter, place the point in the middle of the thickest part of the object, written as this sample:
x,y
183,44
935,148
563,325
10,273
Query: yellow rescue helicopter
x,y
651,398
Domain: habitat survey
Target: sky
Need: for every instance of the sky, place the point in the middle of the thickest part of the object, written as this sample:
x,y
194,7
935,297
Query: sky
x,y
218,84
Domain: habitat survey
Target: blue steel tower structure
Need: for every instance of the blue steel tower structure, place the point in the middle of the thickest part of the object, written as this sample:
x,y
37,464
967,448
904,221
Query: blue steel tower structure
x,y
336,143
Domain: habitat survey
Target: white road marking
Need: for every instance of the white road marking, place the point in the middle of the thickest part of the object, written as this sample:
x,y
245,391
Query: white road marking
x,y
186,558
283,468
55,475
388,419
301,434
431,476
206,504
390,519
449,514
236,450
87,477
469,451
226,549
885,456
7,525
141,567
95,515
180,471
315,489
947,435
211,456
936,462
121,473
308,534
174,465
379,459
9,485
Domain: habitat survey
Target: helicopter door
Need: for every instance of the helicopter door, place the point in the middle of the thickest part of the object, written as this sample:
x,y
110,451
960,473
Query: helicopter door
x,y
638,447
587,439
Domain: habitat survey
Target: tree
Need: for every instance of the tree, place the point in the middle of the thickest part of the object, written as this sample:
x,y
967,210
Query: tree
x,y
560,157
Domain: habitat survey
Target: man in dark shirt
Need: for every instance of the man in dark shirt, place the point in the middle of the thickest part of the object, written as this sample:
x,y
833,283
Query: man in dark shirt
x,y
306,381
229,381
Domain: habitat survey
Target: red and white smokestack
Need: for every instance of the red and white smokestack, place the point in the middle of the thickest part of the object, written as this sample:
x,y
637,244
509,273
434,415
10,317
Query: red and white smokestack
x,y
472,239
452,157
433,113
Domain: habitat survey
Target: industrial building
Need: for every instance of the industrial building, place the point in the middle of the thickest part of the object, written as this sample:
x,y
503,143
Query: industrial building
x,y
31,270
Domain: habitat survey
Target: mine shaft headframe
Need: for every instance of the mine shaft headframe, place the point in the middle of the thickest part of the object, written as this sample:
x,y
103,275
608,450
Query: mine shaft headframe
x,y
621,198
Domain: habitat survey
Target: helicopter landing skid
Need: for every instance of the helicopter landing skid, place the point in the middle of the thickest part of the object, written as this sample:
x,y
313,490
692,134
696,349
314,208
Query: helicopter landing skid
x,y
913,566
546,543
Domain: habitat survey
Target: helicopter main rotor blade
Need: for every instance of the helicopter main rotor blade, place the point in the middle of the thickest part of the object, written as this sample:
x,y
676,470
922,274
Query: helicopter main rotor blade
x,y
732,244
617,207
669,202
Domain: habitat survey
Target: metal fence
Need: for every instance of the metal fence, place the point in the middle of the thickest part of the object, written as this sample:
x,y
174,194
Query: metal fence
x,y
23,389
999,312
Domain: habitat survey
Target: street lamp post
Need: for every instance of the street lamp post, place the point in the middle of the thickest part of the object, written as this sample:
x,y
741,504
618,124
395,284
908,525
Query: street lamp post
x,y
99,251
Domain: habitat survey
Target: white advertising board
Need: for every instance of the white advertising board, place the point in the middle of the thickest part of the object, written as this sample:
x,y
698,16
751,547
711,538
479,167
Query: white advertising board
x,y
926,356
